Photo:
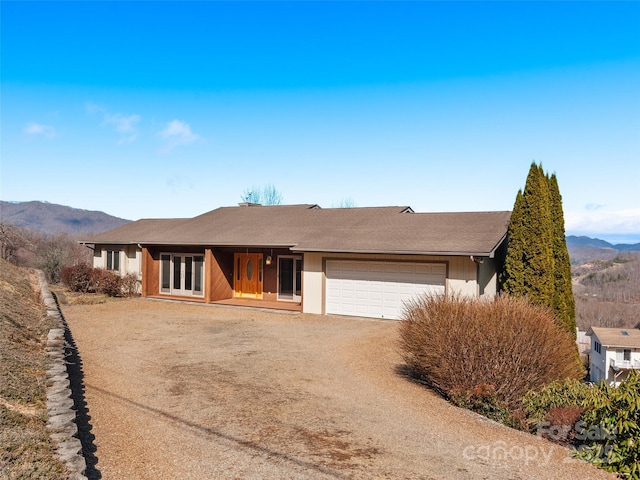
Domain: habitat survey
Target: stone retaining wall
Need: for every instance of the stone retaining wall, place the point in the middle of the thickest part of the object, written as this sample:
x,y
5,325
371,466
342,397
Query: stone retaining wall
x,y
60,406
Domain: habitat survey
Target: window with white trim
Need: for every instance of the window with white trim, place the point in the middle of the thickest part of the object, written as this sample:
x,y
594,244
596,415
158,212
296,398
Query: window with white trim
x,y
182,274
113,260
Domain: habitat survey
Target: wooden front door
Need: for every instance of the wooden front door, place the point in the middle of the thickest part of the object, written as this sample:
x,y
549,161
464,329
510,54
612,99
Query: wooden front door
x,y
248,273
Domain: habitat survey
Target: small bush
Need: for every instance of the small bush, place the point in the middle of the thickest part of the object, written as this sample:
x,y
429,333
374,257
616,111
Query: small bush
x,y
130,285
483,400
84,279
78,278
562,422
615,411
539,403
457,344
106,282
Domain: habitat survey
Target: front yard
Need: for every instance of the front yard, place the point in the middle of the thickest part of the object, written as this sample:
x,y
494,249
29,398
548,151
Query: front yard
x,y
178,390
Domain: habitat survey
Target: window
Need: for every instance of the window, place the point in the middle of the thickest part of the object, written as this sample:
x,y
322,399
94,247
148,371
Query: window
x,y
198,261
289,278
113,260
627,355
188,273
597,347
166,268
182,274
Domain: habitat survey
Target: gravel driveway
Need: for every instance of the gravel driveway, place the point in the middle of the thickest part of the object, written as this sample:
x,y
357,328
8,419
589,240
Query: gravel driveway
x,y
183,391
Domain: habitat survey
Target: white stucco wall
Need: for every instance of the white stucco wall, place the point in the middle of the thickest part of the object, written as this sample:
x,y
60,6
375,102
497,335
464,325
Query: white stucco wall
x,y
461,276
598,368
98,257
130,258
600,363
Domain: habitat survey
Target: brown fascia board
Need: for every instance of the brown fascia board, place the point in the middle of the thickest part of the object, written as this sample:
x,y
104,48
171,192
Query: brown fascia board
x,y
110,242
200,244
394,252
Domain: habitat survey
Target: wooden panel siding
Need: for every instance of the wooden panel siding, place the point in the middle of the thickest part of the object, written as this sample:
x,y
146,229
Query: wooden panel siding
x,y
150,273
219,282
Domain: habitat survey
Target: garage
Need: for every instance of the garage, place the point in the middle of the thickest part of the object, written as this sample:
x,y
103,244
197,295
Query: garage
x,y
378,288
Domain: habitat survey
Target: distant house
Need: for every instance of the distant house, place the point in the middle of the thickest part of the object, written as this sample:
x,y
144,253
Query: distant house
x,y
348,261
614,353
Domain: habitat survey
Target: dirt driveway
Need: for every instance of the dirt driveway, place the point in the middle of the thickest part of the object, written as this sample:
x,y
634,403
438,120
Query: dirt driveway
x,y
177,391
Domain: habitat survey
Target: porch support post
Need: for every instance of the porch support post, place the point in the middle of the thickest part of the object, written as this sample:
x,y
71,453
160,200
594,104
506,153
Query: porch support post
x,y
146,260
209,261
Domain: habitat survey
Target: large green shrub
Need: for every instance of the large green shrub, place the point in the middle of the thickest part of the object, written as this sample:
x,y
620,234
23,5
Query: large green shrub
x,y
458,344
601,422
538,403
616,413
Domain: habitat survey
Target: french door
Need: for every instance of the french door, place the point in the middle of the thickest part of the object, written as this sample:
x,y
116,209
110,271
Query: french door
x,y
290,278
182,274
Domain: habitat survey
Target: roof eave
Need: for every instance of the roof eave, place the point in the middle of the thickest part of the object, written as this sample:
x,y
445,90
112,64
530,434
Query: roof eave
x,y
393,252
492,253
193,244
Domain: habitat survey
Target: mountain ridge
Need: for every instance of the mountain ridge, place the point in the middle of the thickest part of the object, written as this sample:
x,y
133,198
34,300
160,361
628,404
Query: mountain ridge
x,y
584,241
51,218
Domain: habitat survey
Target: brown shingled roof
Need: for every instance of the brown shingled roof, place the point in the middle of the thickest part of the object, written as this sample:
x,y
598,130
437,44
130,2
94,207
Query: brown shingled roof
x,y
309,228
141,231
614,337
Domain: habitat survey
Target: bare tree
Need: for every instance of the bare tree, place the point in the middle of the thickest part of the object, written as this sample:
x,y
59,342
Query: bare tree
x,y
267,195
12,239
345,202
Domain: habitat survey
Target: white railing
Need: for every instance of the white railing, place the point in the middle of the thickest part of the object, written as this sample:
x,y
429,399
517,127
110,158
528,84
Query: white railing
x,y
625,364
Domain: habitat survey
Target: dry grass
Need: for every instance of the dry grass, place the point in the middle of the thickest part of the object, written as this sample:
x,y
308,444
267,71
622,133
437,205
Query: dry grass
x,y
26,450
507,345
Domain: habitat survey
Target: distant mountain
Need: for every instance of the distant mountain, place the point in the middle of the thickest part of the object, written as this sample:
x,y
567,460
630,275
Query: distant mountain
x,y
573,241
50,218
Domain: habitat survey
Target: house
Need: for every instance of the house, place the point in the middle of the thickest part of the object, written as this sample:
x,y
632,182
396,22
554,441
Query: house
x,y
614,353
347,261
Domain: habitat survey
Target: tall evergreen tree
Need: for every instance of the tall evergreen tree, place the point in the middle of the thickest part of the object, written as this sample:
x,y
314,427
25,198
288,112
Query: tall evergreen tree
x,y
563,302
512,275
537,261
538,231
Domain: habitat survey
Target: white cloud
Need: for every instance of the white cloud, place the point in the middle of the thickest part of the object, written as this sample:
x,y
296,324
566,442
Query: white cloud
x,y
594,206
127,140
93,108
601,221
123,123
175,134
38,129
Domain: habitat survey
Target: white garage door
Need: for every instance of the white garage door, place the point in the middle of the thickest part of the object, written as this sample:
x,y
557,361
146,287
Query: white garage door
x,y
378,289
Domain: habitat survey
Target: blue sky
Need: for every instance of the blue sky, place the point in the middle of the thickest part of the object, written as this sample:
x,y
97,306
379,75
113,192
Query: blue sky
x,y
166,109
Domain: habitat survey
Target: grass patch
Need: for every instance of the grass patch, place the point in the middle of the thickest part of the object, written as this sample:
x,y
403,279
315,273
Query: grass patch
x,y
26,450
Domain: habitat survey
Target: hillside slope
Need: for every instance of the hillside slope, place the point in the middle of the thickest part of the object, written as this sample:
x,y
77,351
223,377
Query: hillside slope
x,y
51,218
26,450
606,286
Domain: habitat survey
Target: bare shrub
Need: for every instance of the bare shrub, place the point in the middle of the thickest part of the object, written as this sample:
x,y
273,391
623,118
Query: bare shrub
x,y
106,282
130,285
85,279
457,344
563,420
78,278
